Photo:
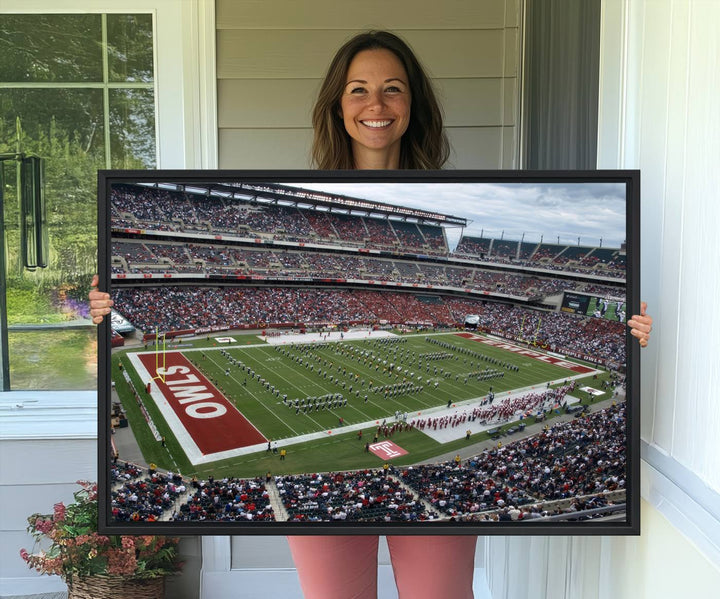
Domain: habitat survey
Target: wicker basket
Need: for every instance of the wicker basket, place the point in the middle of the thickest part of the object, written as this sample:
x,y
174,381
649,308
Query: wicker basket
x,y
116,587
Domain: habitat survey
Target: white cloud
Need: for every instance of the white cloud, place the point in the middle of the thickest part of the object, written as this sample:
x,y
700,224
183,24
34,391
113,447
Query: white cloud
x,y
589,210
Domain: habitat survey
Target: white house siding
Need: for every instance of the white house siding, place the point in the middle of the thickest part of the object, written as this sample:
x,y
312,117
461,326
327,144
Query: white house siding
x,y
271,57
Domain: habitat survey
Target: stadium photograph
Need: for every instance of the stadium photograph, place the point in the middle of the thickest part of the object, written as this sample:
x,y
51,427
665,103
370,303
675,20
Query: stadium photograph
x,y
346,353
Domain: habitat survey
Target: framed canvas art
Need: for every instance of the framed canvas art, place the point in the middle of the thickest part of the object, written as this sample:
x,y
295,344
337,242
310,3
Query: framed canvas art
x,y
380,352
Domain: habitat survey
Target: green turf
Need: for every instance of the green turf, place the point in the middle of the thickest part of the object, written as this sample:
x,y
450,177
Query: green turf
x,y
345,361
278,421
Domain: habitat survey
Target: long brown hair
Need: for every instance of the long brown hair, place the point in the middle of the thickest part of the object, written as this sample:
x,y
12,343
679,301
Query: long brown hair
x,y
424,144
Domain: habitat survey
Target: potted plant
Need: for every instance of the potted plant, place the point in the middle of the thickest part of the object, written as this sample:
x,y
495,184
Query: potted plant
x,y
95,566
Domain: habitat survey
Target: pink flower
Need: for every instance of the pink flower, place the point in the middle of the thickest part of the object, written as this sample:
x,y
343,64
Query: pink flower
x,y
43,526
59,512
128,543
148,541
73,554
121,562
53,566
93,539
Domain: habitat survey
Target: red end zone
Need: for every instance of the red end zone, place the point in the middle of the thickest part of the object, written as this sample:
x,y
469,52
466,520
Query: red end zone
x,y
535,355
211,421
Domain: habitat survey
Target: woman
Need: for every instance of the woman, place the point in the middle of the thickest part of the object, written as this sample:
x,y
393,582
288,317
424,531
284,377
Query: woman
x,y
377,110
346,137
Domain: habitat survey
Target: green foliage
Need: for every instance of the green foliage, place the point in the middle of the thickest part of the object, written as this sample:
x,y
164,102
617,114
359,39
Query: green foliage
x,y
48,47
26,304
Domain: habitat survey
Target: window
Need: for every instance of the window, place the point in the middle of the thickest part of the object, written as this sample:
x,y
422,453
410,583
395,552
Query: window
x,y
78,90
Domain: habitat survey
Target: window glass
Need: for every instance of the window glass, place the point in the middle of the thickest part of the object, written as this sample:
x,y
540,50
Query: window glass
x,y
59,124
55,359
57,102
130,45
37,48
132,128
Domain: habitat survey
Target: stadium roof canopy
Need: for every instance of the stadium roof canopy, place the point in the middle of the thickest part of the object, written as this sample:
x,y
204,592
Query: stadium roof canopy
x,y
286,195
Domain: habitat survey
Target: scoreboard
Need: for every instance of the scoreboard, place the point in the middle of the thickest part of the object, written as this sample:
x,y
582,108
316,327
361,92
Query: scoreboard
x,y
594,305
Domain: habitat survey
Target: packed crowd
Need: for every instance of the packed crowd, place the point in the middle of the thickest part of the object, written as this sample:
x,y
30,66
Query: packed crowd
x,y
139,498
598,339
162,258
161,209
172,308
582,461
583,457
367,496
181,308
227,500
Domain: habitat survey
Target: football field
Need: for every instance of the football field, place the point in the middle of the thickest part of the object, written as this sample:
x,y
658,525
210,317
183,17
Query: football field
x,y
322,397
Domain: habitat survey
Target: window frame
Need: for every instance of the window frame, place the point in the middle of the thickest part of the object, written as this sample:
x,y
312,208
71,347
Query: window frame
x,y
185,102
185,106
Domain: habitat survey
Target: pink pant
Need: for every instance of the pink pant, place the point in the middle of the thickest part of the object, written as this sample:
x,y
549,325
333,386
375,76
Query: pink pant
x,y
345,567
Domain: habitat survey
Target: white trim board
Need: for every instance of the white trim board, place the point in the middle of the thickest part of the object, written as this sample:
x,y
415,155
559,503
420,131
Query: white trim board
x,y
683,498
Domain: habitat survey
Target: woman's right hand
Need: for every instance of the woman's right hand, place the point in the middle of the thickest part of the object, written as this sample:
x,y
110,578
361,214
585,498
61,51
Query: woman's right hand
x,y
100,302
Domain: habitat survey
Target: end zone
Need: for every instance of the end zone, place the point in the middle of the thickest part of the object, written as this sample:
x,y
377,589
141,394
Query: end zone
x,y
201,417
530,353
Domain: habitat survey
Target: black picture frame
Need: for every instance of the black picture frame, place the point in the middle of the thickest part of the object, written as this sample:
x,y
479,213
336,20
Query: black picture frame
x,y
570,198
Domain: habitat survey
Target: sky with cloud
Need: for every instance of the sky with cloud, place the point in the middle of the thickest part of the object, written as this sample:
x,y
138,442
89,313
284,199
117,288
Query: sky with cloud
x,y
589,211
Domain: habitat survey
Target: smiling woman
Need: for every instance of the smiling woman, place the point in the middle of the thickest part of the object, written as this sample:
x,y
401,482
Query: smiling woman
x,y
375,108
364,104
